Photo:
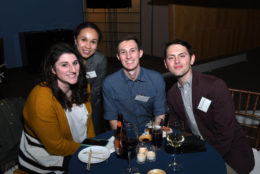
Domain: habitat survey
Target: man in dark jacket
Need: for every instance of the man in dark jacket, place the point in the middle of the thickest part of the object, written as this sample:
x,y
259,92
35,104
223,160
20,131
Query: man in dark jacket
x,y
205,105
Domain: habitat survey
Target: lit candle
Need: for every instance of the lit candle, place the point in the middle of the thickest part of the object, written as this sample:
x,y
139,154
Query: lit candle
x,y
141,158
151,155
142,150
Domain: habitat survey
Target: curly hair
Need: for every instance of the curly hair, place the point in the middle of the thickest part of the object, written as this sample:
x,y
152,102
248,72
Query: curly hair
x,y
48,79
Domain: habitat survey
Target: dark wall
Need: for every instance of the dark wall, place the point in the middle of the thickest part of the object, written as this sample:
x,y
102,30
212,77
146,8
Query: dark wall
x,y
34,15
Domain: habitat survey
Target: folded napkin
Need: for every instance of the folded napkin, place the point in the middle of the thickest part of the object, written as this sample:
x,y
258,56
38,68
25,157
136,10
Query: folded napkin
x,y
110,144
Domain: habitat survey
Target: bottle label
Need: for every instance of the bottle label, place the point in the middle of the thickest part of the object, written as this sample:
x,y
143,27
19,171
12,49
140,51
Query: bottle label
x,y
119,124
117,147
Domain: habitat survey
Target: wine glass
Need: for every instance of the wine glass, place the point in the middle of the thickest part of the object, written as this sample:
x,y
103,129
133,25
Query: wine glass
x,y
175,138
130,144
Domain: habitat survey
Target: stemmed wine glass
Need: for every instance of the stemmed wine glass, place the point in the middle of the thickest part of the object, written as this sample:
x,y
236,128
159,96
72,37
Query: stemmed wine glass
x,y
175,138
130,144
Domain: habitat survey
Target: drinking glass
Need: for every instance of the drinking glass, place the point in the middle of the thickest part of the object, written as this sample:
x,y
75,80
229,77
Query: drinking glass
x,y
129,145
157,137
157,133
175,138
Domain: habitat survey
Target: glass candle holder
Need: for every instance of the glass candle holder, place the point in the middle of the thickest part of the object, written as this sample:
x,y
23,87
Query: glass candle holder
x,y
151,155
141,153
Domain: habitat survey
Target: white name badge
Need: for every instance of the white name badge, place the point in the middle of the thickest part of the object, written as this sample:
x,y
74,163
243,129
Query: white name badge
x,y
204,104
142,98
91,74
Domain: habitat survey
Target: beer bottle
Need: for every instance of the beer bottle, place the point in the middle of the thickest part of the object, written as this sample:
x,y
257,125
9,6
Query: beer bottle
x,y
119,136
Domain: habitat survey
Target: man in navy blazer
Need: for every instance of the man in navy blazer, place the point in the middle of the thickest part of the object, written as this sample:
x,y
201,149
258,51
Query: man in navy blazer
x,y
205,105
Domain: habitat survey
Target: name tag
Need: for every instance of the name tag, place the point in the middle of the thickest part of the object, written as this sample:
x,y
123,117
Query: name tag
x,y
204,104
142,98
91,74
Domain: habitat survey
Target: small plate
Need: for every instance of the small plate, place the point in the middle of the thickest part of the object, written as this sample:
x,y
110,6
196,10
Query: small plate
x,y
99,154
156,171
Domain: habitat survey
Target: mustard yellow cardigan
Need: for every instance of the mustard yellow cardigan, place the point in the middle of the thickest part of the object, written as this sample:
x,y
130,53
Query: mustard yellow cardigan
x,y
45,119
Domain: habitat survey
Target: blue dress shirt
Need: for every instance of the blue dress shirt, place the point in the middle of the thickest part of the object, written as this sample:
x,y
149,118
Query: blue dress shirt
x,y
139,101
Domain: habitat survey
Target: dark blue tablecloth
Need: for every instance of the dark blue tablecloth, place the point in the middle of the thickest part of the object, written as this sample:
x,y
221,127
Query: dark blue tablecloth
x,y
208,162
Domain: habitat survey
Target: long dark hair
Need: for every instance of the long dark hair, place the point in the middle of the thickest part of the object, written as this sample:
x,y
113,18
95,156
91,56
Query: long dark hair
x,y
79,90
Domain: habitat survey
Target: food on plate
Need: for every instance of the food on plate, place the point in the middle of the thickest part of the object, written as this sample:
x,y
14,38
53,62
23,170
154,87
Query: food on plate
x,y
145,137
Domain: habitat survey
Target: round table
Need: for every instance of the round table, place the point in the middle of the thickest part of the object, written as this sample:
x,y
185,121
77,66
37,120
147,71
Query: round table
x,y
205,162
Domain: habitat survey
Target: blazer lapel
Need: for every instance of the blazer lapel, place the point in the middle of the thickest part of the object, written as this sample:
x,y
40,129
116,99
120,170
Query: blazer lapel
x,y
196,94
196,97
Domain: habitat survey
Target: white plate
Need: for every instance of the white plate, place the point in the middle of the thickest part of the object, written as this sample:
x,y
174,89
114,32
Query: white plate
x,y
99,154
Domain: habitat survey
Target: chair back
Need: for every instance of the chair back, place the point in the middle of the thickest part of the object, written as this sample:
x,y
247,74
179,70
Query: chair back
x,y
247,110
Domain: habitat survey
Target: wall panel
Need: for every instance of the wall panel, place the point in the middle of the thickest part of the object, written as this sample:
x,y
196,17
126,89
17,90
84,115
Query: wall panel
x,y
114,23
215,31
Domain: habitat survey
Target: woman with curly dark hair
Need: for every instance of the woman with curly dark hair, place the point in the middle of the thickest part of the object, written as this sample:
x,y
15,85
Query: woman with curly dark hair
x,y
57,114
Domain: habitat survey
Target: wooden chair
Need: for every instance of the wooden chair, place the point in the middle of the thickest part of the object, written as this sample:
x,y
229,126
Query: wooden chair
x,y
247,110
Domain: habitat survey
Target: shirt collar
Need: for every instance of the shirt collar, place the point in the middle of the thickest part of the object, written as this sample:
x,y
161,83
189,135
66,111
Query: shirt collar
x,y
189,82
140,77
